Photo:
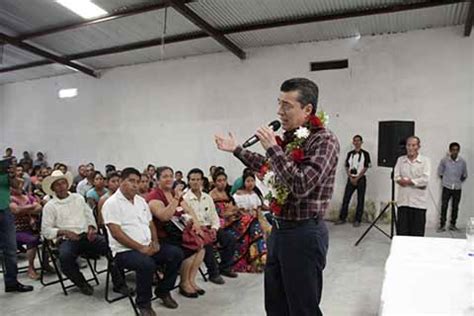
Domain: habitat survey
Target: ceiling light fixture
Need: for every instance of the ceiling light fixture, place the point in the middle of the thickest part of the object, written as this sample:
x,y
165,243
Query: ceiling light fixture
x,y
84,8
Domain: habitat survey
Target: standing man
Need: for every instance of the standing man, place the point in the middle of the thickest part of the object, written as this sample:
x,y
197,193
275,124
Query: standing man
x,y
412,174
357,163
8,230
205,210
298,243
453,171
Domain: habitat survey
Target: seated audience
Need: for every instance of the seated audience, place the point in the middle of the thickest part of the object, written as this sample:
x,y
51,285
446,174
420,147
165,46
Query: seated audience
x,y
113,183
81,175
8,153
26,210
21,174
204,208
88,182
252,227
61,167
40,161
239,182
164,202
178,176
135,245
144,186
68,219
26,161
35,172
151,171
93,195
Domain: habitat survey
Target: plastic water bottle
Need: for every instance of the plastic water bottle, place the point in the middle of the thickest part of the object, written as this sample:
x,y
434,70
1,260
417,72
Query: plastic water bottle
x,y
470,237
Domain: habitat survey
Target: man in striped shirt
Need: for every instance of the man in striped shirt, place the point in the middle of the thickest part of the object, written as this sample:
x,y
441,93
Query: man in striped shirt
x,y
298,243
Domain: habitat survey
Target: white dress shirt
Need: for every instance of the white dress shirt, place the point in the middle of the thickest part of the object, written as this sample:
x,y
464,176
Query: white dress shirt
x,y
204,208
418,171
133,218
247,201
83,187
71,213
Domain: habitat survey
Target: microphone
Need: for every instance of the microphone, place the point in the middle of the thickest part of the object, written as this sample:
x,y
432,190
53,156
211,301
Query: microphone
x,y
275,126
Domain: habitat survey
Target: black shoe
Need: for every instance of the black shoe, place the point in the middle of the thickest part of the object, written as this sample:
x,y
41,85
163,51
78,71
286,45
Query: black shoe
x,y
340,222
229,274
217,279
356,224
188,294
124,290
441,229
167,300
200,292
86,289
18,287
453,227
146,311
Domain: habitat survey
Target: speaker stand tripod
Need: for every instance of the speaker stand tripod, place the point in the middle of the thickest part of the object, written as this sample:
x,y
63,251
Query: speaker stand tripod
x,y
392,205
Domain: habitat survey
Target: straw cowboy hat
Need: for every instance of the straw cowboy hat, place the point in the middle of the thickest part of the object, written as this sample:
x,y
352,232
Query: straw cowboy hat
x,y
55,176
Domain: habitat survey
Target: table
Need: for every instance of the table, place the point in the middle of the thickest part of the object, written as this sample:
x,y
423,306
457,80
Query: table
x,y
428,276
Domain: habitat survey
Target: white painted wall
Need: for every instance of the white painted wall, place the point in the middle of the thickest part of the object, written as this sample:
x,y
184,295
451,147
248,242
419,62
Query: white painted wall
x,y
167,112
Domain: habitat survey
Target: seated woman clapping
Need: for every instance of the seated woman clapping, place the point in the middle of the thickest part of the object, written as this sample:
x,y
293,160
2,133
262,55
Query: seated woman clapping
x,y
164,202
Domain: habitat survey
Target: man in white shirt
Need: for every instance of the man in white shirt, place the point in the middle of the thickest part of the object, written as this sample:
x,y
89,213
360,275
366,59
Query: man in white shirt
x,y
134,242
88,182
205,209
412,174
67,217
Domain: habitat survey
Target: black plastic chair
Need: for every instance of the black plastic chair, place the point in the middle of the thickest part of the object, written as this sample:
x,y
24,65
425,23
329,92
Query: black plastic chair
x,y
53,253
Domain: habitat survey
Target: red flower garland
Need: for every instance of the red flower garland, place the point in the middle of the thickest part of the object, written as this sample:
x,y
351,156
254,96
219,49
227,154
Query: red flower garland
x,y
298,155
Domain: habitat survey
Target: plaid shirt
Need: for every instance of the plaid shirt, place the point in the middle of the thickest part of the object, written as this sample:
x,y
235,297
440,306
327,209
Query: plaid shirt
x,y
311,183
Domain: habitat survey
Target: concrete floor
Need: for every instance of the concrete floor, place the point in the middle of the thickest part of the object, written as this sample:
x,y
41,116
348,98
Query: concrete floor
x,y
352,283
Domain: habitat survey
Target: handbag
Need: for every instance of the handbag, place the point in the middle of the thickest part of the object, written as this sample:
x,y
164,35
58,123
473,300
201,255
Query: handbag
x,y
194,241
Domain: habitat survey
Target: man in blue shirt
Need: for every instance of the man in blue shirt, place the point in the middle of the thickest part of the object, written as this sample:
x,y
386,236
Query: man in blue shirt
x,y
453,172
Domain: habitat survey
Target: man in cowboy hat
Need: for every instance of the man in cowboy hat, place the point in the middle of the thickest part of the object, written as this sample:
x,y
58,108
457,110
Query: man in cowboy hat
x,y
67,217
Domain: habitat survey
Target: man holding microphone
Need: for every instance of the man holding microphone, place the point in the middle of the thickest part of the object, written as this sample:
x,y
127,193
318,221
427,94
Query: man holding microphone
x,y
298,244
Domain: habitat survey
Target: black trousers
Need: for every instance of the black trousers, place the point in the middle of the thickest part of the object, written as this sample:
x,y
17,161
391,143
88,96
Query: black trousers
x,y
350,188
145,267
411,221
227,245
294,270
448,194
69,250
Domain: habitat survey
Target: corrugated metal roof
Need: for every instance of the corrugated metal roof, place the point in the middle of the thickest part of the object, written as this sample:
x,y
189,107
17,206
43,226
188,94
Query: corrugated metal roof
x,y
228,13
376,24
14,56
118,32
173,50
28,15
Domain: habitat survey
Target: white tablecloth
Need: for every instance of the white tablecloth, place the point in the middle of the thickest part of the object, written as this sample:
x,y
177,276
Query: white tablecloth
x,y
428,276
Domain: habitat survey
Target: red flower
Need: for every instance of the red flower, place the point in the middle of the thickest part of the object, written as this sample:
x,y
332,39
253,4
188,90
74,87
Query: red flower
x,y
275,207
297,154
263,169
315,121
279,141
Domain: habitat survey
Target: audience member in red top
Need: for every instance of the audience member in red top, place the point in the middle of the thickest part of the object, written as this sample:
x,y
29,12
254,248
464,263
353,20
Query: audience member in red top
x,y
163,202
